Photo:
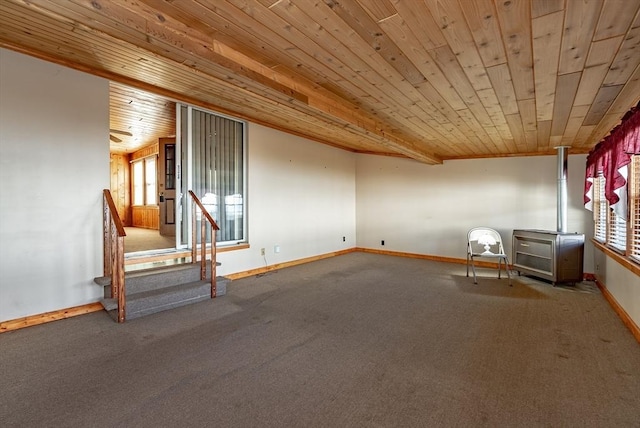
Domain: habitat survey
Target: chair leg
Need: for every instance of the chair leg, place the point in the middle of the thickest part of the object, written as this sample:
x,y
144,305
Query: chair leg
x,y
473,268
506,267
499,267
467,264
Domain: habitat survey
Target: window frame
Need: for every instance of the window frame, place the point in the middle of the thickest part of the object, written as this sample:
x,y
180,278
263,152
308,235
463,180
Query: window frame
x,y
600,207
633,231
226,203
149,196
627,251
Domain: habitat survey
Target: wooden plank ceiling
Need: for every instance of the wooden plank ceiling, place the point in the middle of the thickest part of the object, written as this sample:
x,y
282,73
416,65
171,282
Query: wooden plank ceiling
x,y
426,79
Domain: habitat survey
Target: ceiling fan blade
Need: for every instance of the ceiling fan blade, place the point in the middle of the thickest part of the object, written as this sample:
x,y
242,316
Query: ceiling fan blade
x,y
115,139
117,131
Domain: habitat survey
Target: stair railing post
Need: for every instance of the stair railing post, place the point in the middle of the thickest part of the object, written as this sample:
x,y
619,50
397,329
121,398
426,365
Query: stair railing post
x,y
113,261
203,248
214,290
114,252
119,280
194,236
205,216
106,237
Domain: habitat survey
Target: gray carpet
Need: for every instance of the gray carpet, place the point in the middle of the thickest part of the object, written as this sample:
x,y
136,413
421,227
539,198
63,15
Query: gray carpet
x,y
359,340
140,239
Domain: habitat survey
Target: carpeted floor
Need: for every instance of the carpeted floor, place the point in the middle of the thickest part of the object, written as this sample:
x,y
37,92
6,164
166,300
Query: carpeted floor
x,y
140,239
359,340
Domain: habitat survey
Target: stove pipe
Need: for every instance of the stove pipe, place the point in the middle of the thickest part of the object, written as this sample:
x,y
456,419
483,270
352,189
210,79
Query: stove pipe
x,y
562,188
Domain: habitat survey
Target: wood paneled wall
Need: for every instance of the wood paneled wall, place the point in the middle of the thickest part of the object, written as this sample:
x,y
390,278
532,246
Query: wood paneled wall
x,y
121,186
151,149
146,216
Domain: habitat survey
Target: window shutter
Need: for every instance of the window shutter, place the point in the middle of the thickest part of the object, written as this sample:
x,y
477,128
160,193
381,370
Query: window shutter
x,y
617,232
634,206
599,209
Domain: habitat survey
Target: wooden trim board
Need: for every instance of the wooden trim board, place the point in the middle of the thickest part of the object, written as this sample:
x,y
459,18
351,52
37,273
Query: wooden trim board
x,y
277,266
624,316
49,316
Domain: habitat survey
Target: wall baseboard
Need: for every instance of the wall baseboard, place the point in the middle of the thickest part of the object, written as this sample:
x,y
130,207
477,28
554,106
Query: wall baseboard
x,y
277,266
479,263
619,310
49,316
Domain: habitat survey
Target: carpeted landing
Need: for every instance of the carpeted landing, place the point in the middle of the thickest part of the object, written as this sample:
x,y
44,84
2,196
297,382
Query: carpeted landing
x,y
359,340
140,239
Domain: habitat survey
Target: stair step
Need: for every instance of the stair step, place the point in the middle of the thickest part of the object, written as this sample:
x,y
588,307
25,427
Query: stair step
x,y
161,288
151,301
154,278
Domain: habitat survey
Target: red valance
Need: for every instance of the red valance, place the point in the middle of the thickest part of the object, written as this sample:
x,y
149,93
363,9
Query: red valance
x,y
612,154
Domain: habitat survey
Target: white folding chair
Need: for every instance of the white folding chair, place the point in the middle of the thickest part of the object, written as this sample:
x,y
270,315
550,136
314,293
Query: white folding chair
x,y
485,242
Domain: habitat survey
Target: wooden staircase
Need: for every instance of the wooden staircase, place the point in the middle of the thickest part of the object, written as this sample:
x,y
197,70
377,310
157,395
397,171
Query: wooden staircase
x,y
158,289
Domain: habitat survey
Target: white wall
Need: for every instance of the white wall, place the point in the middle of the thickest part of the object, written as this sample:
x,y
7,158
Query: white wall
x,y
54,163
622,283
301,198
424,209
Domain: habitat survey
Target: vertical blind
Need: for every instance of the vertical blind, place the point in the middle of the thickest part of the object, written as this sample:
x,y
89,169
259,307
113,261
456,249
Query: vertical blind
x,y
218,171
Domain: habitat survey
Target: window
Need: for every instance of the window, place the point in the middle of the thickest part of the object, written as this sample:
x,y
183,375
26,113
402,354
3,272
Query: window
x,y
214,160
599,210
169,166
634,207
138,183
145,181
612,190
150,181
617,232
609,227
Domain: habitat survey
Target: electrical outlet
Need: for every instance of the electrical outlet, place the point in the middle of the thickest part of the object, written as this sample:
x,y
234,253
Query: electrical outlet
x,y
262,251
344,239
382,242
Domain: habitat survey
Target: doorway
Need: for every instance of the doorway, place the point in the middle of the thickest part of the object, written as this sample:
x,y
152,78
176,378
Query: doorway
x,y
142,131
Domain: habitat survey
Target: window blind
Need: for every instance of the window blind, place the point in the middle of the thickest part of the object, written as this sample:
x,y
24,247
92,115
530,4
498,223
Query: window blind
x,y
617,232
634,206
600,210
218,171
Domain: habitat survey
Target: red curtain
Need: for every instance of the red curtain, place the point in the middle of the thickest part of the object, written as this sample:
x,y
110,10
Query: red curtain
x,y
613,153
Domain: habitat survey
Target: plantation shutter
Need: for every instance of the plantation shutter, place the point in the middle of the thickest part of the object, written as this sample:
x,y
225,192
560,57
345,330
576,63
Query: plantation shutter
x,y
599,210
617,231
634,206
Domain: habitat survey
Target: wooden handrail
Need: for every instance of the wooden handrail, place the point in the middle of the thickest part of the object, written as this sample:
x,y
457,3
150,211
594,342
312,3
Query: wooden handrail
x,y
114,213
203,242
113,244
